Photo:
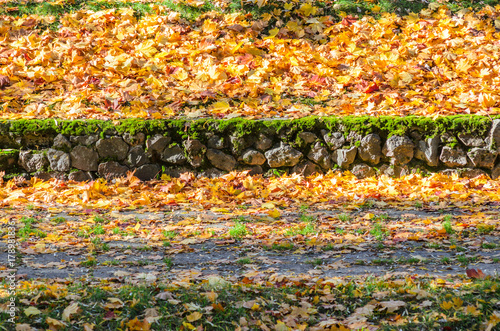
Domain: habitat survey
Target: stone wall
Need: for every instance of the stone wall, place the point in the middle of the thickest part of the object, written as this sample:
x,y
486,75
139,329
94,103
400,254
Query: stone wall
x,y
213,149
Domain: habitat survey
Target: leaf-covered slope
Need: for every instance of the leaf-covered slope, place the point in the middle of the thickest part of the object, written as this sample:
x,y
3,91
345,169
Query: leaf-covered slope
x,y
290,62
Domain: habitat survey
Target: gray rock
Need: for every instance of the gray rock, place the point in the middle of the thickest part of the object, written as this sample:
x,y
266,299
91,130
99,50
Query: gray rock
x,y
427,150
147,171
216,142
134,139
59,161
113,147
453,157
195,152
495,173
448,138
84,158
307,137
399,149
136,157
221,160
253,157
320,155
61,143
263,143
84,140
157,143
32,162
494,137
471,140
175,171
394,171
370,149
174,155
334,140
345,157
353,137
283,156
112,169
482,157
81,176
306,168
212,173
239,144
363,171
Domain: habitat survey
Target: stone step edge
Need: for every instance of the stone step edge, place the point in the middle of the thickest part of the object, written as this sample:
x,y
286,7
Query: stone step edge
x,y
84,150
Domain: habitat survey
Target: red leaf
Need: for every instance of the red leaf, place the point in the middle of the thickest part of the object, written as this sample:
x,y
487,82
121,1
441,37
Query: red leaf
x,y
371,88
348,20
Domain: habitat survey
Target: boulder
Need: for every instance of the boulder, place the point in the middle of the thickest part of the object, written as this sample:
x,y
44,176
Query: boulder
x,y
283,156
134,139
44,175
113,147
221,160
147,171
112,169
306,168
61,143
84,140
495,173
399,149
427,150
363,171
263,142
212,173
136,157
453,157
320,155
334,140
84,158
195,151
482,157
471,140
157,143
81,176
307,137
345,157
58,160
32,162
216,142
494,136
370,149
253,157
174,155
394,171
239,144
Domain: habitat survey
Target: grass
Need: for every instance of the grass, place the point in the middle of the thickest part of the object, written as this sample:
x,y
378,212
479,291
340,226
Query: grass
x,y
238,231
485,228
244,260
168,262
280,246
447,227
379,232
345,218
27,230
169,234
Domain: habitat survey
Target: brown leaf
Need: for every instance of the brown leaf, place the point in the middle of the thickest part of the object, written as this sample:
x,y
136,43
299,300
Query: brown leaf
x,y
4,81
475,273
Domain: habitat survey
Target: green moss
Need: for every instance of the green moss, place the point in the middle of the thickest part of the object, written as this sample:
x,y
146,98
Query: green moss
x,y
385,126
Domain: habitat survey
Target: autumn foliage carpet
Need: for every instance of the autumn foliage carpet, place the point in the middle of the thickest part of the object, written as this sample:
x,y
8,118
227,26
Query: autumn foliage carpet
x,y
224,59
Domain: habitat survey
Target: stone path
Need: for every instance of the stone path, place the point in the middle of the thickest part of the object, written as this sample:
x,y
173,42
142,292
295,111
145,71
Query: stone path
x,y
137,258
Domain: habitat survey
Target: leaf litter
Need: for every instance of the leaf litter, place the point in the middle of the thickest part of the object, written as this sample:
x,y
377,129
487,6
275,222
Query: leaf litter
x,y
292,252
